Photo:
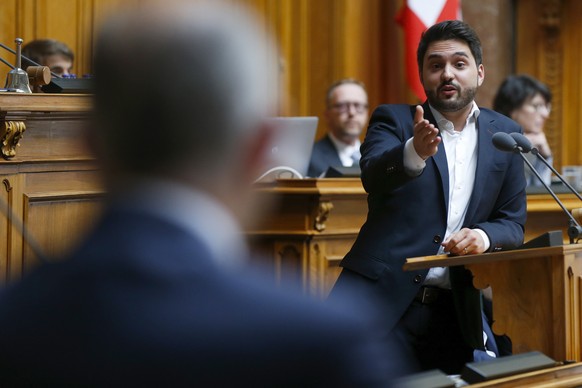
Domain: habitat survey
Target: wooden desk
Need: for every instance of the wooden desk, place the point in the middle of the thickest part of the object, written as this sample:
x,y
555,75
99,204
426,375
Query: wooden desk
x,y
313,224
537,295
559,377
317,220
47,176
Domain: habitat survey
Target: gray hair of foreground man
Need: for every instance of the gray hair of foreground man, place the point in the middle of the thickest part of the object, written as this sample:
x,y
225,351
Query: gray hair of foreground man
x,y
160,108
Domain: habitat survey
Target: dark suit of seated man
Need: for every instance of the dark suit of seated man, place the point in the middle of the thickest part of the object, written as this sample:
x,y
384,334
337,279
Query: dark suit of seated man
x,y
155,296
346,116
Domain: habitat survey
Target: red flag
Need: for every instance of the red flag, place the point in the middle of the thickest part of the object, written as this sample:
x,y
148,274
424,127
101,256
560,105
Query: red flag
x,y
415,17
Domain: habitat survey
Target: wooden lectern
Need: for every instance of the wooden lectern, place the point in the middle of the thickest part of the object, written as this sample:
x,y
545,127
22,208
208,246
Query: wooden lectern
x,y
49,180
537,295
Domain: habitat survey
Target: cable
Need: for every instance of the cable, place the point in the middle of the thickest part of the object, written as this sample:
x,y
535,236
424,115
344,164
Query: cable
x,y
282,169
28,59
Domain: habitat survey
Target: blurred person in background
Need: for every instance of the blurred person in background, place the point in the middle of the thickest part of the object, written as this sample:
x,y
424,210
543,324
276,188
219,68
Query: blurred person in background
x,y
528,102
346,116
56,55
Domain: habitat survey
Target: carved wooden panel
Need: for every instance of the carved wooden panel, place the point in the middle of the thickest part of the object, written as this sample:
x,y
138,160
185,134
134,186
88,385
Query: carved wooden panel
x,y
325,256
58,220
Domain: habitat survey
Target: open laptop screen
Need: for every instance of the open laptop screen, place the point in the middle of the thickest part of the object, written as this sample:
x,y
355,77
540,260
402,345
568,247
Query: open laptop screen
x,y
291,147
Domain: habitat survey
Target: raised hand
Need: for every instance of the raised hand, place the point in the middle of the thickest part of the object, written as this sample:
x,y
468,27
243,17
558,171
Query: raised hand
x,y
426,139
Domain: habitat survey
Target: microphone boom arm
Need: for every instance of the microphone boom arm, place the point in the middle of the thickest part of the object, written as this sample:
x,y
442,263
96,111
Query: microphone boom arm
x,y
28,59
536,152
574,229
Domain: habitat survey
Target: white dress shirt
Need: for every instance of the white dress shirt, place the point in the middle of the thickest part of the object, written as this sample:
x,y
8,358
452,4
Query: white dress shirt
x,y
461,152
346,151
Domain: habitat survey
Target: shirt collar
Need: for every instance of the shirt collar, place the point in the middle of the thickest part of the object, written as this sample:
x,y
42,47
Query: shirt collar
x,y
343,147
447,125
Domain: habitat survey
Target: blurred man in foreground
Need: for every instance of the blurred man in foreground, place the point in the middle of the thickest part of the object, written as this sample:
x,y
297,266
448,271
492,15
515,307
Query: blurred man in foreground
x,y
346,116
155,295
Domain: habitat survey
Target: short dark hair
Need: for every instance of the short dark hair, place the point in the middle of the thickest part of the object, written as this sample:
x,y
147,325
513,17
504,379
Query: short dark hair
x,y
516,90
450,30
39,49
340,82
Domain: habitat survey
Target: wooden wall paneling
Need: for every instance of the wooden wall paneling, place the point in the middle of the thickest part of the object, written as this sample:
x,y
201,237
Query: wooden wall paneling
x,y
84,50
57,19
304,61
572,84
375,50
288,29
551,72
26,19
358,40
391,83
9,23
8,27
493,22
323,45
546,36
526,16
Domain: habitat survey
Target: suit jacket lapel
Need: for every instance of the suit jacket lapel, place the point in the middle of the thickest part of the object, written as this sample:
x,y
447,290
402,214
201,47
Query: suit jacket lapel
x,y
440,159
485,149
332,153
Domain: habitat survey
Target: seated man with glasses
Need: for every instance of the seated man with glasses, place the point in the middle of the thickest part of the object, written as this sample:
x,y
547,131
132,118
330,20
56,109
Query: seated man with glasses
x,y
528,101
346,115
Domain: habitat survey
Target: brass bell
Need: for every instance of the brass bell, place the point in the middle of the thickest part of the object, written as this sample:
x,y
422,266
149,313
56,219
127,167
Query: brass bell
x,y
17,79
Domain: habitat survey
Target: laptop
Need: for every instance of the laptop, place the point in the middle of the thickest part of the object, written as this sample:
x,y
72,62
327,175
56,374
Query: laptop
x,y
291,148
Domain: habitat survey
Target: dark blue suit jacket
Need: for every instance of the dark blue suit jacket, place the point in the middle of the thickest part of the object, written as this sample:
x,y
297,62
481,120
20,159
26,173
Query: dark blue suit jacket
x,y
408,215
142,303
323,156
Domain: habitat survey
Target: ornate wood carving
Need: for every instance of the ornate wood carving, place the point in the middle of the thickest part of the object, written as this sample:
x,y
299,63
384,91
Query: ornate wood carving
x,y
552,70
10,135
323,211
289,264
7,185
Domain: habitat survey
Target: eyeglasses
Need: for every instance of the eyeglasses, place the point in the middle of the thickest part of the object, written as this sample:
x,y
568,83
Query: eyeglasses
x,y
344,107
540,107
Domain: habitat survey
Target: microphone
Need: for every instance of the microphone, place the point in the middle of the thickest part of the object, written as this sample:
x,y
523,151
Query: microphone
x,y
522,141
526,147
505,142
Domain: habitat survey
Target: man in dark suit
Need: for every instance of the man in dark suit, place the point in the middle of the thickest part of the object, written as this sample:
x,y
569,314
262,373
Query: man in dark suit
x,y
346,115
436,184
156,295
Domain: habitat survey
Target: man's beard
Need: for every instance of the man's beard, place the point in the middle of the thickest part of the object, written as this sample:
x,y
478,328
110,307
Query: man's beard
x,y
352,128
466,96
